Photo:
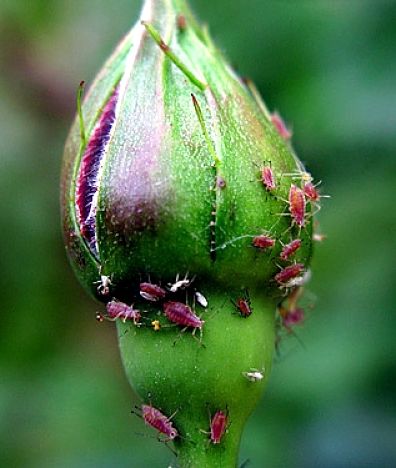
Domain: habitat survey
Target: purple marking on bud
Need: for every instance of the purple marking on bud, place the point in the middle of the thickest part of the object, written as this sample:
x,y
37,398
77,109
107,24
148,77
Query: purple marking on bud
x,y
88,178
182,314
154,418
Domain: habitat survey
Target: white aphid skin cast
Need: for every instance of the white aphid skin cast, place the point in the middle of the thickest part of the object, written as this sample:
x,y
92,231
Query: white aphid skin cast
x,y
254,375
180,284
201,299
104,285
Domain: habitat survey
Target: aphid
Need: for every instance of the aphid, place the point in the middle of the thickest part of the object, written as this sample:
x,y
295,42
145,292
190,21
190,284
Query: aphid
x,y
289,249
220,182
291,317
280,125
297,205
310,192
151,292
218,426
319,237
254,375
180,284
182,315
99,317
263,242
201,299
104,285
156,324
298,281
268,178
154,418
243,306
289,273
119,310
181,22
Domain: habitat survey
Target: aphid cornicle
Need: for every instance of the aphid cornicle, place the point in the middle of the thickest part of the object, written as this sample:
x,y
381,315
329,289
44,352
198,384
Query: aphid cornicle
x,y
290,248
119,310
218,426
151,292
263,242
288,273
182,314
154,418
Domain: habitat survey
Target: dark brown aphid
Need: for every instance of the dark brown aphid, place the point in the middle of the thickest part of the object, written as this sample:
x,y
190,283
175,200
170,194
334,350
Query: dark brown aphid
x,y
181,314
154,418
263,242
152,292
289,249
119,310
218,426
288,273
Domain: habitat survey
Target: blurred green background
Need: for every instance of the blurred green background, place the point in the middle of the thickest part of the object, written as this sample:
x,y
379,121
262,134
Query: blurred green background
x,y
329,66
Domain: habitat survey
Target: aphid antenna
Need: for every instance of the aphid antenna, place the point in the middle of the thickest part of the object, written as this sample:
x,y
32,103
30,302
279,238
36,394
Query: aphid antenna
x,y
155,35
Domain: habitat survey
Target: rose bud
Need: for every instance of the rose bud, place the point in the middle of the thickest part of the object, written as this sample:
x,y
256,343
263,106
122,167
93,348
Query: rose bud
x,y
162,185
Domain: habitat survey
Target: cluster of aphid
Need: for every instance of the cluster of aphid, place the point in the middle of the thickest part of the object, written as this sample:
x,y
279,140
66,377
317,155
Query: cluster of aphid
x,y
163,424
298,199
178,313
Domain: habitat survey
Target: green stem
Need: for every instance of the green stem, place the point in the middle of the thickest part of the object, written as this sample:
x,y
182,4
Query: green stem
x,y
197,379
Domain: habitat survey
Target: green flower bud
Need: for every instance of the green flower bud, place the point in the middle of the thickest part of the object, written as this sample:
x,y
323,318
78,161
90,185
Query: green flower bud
x,y
182,195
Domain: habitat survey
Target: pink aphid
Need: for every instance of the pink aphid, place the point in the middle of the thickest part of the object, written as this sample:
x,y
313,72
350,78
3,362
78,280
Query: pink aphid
x,y
218,426
119,310
268,178
154,418
289,249
311,192
293,317
280,125
263,242
151,292
182,315
288,273
297,205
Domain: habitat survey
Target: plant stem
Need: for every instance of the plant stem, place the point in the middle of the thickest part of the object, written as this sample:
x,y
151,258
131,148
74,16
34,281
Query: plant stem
x,y
176,373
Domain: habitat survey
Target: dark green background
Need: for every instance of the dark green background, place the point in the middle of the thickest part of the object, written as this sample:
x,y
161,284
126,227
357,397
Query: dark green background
x,y
330,68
